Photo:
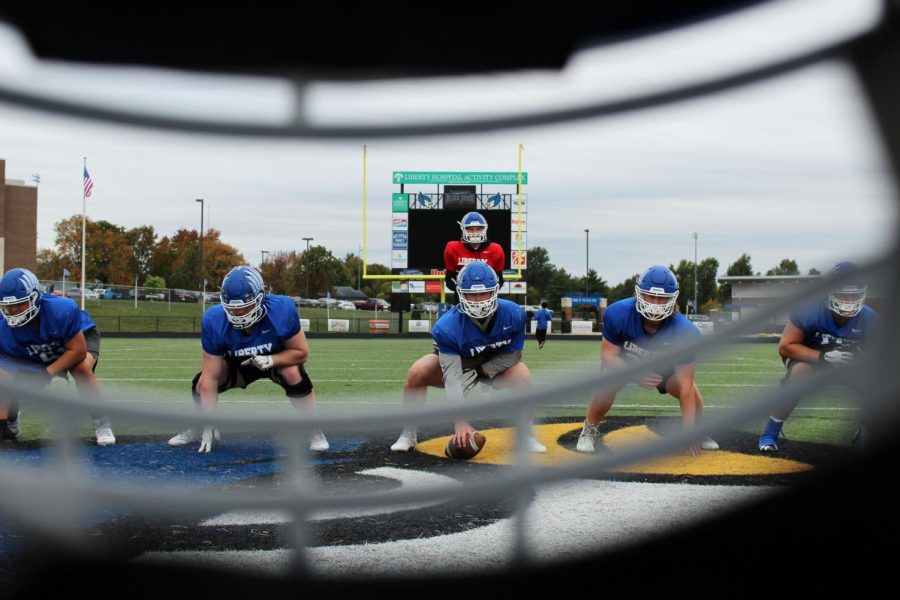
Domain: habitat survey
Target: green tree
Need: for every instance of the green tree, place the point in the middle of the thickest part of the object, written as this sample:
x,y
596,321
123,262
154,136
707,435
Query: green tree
x,y
323,269
785,267
707,269
143,247
539,274
814,271
155,282
740,267
623,290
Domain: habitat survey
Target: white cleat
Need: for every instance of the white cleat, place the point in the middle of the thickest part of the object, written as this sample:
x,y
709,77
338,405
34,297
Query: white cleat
x,y
191,436
186,437
318,442
709,444
407,440
588,437
104,433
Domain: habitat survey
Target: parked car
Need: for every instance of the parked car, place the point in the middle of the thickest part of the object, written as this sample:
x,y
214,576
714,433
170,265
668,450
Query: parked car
x,y
329,302
185,296
213,297
346,305
77,293
373,304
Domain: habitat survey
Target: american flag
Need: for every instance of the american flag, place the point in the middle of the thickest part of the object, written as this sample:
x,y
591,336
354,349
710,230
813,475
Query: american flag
x,y
88,183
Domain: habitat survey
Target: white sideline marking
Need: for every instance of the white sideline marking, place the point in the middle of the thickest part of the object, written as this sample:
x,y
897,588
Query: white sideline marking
x,y
410,480
564,521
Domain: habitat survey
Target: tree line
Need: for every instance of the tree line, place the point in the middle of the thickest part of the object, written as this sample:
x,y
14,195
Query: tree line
x,y
116,256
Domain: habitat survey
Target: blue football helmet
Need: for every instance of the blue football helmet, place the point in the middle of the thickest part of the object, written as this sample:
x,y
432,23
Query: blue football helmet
x,y
656,282
474,220
477,278
19,288
243,289
846,298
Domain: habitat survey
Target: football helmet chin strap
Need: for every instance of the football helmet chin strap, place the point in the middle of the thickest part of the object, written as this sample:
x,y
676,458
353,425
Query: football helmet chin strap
x,y
844,307
651,311
249,319
477,237
23,317
478,309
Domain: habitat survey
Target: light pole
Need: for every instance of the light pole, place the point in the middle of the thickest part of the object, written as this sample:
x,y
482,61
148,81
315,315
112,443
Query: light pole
x,y
262,257
202,277
694,235
587,267
306,260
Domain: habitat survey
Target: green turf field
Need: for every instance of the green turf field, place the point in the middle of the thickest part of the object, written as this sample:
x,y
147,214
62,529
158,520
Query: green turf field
x,y
353,373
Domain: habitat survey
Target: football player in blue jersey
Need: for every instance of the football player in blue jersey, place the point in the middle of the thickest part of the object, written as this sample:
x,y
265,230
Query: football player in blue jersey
x,y
480,340
543,317
43,336
640,327
250,335
826,333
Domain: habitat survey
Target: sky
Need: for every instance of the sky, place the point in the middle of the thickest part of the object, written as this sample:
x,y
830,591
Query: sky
x,y
789,168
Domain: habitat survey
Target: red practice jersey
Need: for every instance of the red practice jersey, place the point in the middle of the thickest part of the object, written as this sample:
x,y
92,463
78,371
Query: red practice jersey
x,y
458,254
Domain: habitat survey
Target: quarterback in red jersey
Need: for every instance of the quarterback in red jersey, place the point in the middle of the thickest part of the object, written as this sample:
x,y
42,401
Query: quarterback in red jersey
x,y
474,247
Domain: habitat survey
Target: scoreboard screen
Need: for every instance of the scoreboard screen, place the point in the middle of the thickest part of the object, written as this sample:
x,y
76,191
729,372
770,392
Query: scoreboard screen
x,y
430,230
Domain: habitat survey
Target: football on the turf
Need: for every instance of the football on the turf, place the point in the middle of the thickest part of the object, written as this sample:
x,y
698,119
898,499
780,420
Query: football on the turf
x,y
470,450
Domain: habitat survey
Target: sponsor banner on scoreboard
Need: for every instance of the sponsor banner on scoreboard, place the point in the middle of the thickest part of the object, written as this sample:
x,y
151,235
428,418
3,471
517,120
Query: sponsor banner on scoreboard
x,y
433,286
400,240
518,241
515,203
514,222
400,202
458,177
399,287
399,256
400,222
417,287
519,259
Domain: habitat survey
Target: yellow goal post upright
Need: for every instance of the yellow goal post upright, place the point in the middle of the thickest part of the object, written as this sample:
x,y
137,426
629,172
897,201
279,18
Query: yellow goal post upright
x,y
519,178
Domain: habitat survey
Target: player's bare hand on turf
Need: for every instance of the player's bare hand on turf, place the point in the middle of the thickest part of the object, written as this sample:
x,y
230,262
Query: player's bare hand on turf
x,y
837,357
206,442
263,362
650,381
464,432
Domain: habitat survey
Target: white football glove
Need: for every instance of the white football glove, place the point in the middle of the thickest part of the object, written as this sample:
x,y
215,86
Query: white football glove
x,y
206,442
263,362
837,357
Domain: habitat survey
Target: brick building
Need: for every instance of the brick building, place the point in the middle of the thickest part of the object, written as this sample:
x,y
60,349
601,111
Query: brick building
x,y
18,223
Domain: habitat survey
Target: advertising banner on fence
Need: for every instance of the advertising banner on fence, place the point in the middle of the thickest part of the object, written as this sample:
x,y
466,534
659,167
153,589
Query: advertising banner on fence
x,y
304,324
400,203
338,325
418,326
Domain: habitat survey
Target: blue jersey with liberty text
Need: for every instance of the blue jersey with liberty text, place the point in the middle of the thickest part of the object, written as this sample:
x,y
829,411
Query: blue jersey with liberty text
x,y
622,327
58,321
456,333
267,336
821,332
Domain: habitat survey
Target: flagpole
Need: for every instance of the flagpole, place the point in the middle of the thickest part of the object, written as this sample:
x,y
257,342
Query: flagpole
x,y
83,232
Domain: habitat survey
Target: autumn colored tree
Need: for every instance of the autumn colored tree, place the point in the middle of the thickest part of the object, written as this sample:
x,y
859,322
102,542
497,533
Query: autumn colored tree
x,y
108,252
